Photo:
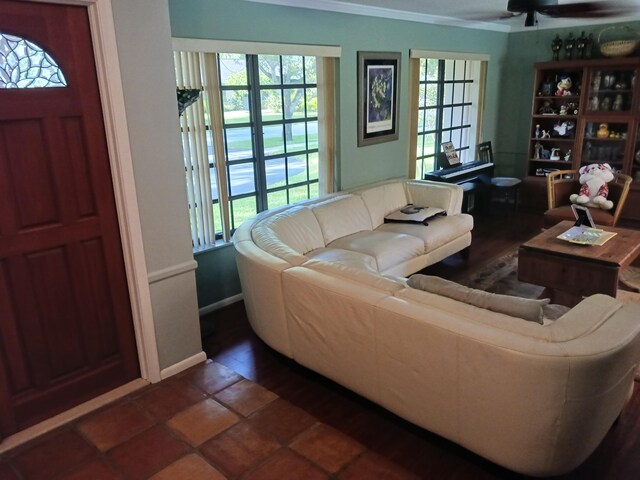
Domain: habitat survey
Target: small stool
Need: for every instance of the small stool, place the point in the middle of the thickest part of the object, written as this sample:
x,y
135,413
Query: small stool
x,y
472,196
508,188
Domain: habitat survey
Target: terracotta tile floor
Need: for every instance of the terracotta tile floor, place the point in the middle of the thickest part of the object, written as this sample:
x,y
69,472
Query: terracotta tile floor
x,y
206,423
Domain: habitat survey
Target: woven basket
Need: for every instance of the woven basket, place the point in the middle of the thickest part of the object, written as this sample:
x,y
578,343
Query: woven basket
x,y
618,48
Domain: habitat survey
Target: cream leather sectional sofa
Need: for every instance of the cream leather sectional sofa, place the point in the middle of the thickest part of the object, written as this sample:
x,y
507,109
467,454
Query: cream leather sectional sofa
x,y
323,283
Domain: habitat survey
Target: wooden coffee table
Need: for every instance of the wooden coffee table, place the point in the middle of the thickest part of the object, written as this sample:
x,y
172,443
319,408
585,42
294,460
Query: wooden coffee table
x,y
570,271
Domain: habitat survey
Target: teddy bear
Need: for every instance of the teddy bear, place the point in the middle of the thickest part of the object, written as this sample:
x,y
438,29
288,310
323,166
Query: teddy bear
x,y
594,189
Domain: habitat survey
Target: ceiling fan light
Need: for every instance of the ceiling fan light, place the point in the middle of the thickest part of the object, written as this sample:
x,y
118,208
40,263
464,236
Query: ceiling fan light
x,y
530,21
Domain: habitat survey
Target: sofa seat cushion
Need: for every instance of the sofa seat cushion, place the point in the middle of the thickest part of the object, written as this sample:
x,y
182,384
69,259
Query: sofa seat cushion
x,y
526,308
348,258
438,232
358,275
388,248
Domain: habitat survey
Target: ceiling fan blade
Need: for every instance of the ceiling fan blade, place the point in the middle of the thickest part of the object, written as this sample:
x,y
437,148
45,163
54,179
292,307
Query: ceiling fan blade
x,y
507,15
551,8
489,17
523,6
585,10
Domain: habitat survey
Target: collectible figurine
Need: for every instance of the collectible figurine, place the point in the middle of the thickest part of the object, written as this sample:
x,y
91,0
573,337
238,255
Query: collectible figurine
x,y
556,45
603,130
618,102
588,48
581,43
596,81
569,43
564,86
609,80
567,156
547,87
538,151
546,108
564,129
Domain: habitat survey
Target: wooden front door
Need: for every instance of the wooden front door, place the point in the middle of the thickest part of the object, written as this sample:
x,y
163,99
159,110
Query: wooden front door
x,y
66,330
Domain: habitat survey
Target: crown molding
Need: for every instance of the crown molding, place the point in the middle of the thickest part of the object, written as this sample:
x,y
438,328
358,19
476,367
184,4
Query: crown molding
x,y
545,23
357,9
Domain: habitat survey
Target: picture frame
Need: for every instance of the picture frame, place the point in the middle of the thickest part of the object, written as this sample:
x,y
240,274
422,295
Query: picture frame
x,y
451,155
583,216
378,91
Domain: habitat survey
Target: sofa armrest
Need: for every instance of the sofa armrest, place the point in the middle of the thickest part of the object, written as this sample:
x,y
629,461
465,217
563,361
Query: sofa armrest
x,y
436,194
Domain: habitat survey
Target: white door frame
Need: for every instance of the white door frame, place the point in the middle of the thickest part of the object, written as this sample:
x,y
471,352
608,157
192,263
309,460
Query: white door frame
x,y
117,134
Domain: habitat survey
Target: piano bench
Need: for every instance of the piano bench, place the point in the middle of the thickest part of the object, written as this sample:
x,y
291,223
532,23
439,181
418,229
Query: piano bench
x,y
474,195
506,188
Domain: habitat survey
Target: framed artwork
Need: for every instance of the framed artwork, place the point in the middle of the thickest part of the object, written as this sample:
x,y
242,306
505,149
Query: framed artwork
x,y
378,82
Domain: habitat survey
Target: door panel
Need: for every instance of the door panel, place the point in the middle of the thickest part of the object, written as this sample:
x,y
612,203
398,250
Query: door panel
x,y
27,173
66,331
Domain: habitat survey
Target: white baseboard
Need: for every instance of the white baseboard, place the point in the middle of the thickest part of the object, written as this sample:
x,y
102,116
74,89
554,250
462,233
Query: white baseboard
x,y
183,365
222,303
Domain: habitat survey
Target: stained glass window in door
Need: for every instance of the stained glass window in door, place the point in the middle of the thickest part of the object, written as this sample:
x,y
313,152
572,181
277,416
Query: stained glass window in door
x,y
23,64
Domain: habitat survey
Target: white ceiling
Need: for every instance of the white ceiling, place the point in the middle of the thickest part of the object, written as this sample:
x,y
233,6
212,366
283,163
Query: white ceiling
x,y
482,14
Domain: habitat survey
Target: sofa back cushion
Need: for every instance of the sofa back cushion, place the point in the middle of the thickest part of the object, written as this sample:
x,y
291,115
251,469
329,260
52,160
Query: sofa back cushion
x,y
384,199
289,233
341,216
527,308
425,193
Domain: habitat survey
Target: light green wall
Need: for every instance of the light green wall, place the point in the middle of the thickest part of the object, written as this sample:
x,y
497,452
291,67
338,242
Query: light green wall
x,y
246,21
148,82
216,275
507,102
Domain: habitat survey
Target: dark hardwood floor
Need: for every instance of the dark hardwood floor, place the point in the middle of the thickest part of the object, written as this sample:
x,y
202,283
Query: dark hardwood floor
x,y
234,345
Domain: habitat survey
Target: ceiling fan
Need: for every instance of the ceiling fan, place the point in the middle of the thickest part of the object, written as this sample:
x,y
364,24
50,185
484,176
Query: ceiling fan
x,y
551,8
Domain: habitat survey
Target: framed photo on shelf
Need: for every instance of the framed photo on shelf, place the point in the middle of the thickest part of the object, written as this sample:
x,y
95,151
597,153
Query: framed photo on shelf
x,y
378,82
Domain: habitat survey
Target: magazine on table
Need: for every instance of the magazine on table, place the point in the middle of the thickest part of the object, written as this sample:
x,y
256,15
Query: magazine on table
x,y
586,235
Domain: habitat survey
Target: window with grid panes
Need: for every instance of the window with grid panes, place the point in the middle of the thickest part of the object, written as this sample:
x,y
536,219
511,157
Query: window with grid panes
x,y
447,108
270,128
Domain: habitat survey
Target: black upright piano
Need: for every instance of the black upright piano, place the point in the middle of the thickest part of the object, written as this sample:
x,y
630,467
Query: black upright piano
x,y
473,177
477,172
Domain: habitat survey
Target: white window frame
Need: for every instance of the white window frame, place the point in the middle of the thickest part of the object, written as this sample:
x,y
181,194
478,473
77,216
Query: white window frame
x,y
477,107
326,116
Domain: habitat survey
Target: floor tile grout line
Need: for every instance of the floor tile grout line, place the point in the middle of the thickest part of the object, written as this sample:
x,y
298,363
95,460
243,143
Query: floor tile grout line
x,y
161,422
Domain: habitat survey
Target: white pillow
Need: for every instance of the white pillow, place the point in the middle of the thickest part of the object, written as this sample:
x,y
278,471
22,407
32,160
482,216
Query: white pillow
x,y
526,308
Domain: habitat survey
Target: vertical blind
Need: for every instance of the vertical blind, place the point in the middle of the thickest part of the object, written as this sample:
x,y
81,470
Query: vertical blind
x,y
194,140
201,126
